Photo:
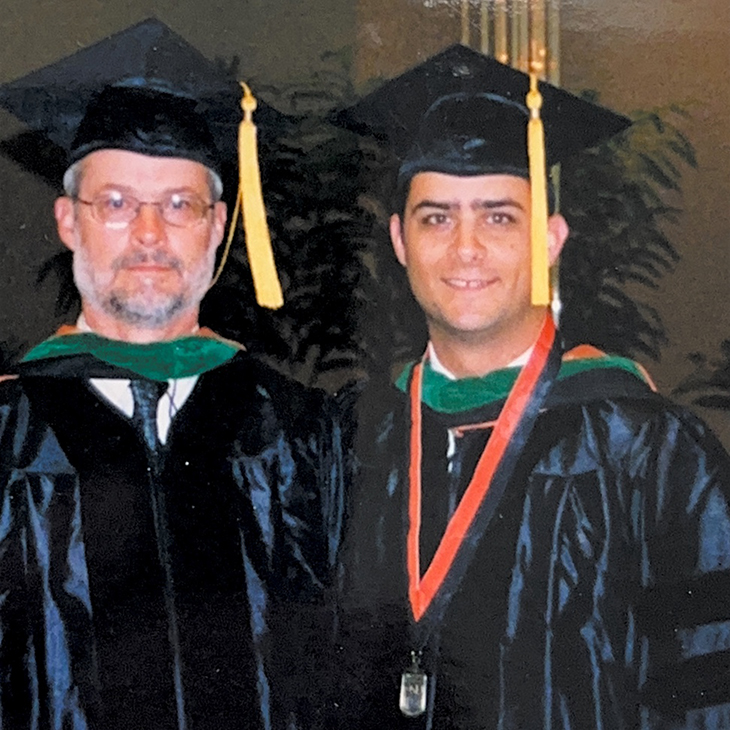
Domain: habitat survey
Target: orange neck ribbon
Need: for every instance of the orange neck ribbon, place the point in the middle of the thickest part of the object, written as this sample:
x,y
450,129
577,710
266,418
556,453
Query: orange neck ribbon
x,y
422,590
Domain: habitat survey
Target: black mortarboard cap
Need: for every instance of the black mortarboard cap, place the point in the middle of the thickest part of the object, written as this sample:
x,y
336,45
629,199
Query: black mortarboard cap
x,y
144,89
463,113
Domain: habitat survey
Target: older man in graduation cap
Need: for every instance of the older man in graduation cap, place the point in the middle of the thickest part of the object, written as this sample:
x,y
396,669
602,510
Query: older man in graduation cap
x,y
165,497
537,539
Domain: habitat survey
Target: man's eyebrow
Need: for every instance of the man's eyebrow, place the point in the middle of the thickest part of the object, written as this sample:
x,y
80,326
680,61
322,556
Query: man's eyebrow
x,y
490,204
439,205
130,190
486,203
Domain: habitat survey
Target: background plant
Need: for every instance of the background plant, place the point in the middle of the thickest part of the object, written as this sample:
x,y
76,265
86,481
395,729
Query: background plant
x,y
614,197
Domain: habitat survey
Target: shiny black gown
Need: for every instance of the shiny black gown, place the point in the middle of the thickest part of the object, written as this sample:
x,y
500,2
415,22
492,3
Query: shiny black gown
x,y
598,596
201,608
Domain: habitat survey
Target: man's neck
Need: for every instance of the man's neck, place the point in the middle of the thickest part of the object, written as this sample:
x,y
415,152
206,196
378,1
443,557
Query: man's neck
x,y
113,329
438,367
464,357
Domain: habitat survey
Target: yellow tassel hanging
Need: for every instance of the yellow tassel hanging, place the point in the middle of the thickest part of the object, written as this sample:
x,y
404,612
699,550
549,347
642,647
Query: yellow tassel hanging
x,y
251,200
538,190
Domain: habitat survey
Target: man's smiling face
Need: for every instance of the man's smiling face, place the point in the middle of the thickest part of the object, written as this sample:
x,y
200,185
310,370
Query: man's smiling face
x,y
465,242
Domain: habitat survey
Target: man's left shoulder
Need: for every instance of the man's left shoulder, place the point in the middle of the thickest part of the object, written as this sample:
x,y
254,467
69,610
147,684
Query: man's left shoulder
x,y
587,373
618,396
653,428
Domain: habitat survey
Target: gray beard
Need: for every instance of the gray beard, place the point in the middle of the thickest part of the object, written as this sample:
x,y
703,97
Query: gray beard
x,y
139,309
150,315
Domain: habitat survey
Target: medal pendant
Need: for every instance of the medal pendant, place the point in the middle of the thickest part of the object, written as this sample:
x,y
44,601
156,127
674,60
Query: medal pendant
x,y
413,689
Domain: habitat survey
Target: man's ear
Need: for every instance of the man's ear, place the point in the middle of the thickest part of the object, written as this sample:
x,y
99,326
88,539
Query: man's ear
x,y
557,235
396,238
220,215
63,210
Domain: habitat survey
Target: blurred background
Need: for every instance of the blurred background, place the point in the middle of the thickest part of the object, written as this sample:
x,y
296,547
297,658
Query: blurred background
x,y
654,288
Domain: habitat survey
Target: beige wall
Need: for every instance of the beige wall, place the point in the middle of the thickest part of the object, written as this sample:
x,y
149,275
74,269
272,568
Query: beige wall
x,y
276,39
395,34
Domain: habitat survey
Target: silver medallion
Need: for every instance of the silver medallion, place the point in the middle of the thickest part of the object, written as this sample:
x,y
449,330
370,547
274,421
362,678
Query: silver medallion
x,y
413,689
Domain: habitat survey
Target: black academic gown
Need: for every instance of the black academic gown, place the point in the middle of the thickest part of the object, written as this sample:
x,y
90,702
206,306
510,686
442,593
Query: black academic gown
x,y
598,594
185,590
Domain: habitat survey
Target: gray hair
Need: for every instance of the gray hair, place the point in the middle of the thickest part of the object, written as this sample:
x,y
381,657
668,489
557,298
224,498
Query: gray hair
x,y
72,181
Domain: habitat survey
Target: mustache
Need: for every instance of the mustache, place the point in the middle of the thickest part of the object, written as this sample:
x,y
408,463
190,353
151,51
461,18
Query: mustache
x,y
159,258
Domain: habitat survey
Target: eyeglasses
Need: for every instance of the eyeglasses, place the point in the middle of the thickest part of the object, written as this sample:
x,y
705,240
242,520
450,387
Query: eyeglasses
x,y
118,210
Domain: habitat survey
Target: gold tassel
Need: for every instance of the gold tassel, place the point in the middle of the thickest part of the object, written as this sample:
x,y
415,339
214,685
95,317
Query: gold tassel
x,y
538,191
251,200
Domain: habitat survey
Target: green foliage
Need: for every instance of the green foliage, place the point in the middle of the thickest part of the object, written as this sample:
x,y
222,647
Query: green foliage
x,y
614,197
310,177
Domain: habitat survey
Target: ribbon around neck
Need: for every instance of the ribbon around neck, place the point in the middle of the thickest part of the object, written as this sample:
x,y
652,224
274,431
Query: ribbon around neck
x,y
520,401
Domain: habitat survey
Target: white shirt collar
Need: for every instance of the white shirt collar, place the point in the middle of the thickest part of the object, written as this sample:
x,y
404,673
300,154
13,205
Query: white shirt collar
x,y
118,393
82,324
438,367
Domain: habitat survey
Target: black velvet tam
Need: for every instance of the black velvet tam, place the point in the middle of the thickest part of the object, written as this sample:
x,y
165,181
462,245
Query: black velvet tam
x,y
463,113
144,89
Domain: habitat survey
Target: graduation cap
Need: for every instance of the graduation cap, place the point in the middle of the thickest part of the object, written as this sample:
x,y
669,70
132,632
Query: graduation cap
x,y
147,90
463,113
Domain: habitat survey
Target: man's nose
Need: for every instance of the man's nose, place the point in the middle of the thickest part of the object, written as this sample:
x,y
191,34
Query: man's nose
x,y
148,227
468,244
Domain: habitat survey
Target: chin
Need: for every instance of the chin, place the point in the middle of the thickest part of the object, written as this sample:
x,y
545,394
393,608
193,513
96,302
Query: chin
x,y
472,324
146,312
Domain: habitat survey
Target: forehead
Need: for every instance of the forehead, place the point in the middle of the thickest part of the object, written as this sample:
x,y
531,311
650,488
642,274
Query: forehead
x,y
440,187
141,173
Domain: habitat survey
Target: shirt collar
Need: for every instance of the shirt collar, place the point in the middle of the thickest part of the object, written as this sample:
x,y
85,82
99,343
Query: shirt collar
x,y
438,367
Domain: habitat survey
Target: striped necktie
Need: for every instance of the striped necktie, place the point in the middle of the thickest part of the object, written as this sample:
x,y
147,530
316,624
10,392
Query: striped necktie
x,y
146,394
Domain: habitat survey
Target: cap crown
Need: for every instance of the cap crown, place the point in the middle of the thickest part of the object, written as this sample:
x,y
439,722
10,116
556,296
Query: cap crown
x,y
462,112
159,81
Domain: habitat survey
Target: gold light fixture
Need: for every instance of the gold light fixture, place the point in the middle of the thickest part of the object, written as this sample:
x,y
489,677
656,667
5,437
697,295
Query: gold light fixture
x,y
522,33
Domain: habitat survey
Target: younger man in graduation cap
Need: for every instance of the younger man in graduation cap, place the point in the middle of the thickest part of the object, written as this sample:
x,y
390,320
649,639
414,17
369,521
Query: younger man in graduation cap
x,y
165,496
536,539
